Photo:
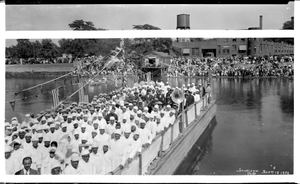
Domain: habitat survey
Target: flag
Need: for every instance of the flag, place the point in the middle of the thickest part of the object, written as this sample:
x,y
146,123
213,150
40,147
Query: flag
x,y
55,96
13,103
81,92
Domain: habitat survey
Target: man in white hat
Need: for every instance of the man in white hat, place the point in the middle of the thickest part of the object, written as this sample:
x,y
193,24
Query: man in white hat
x,y
27,143
47,162
118,149
85,166
151,124
72,169
12,165
107,157
76,141
136,146
17,152
145,134
45,146
110,128
53,133
35,152
97,159
103,136
56,168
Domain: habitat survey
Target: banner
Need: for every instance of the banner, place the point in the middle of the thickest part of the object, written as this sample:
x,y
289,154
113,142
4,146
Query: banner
x,y
132,168
13,103
55,96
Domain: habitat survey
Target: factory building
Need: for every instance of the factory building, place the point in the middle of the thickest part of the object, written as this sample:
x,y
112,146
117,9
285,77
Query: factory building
x,y
226,47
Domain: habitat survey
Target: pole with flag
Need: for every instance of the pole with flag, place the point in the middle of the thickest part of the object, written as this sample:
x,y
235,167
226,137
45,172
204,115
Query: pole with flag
x,y
81,93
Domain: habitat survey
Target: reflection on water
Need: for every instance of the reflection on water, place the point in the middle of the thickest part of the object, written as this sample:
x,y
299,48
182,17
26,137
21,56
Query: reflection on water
x,y
255,122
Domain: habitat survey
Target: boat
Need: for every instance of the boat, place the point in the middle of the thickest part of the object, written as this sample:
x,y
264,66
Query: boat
x,y
169,149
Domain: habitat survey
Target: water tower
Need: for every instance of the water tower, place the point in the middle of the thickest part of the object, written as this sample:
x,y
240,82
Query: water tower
x,y
183,23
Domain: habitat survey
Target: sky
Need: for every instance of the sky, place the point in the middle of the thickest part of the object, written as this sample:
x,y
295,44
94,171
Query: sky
x,y
123,17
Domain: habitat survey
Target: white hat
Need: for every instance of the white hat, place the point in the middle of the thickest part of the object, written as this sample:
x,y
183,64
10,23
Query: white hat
x,y
127,129
84,137
8,149
52,125
102,126
34,138
118,131
156,106
85,152
83,125
55,164
135,107
95,145
137,132
139,112
47,137
75,157
146,108
14,118
27,115
52,148
168,106
39,135
112,118
64,125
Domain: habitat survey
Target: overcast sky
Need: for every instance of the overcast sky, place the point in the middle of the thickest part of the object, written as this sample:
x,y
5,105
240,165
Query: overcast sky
x,y
118,17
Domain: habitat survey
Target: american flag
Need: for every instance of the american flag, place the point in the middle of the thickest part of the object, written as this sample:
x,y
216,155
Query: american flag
x,y
55,96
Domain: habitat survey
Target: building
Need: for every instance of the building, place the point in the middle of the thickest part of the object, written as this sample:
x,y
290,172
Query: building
x,y
226,47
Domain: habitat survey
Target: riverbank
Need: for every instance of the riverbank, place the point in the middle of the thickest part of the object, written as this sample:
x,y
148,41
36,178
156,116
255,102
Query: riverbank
x,y
38,70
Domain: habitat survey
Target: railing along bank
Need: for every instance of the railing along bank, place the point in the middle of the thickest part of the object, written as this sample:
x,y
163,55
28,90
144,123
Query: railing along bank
x,y
140,163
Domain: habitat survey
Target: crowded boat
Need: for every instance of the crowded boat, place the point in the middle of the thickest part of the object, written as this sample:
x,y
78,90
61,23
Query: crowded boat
x,y
97,137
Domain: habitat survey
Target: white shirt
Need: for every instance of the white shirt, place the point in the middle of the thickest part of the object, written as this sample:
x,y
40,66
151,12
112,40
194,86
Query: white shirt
x,y
108,161
86,168
135,147
70,170
12,165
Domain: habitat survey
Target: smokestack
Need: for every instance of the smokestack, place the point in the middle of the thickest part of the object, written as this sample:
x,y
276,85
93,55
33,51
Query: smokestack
x,y
261,22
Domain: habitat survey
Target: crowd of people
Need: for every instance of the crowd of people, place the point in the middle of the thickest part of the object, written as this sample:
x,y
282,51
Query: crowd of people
x,y
273,66
97,137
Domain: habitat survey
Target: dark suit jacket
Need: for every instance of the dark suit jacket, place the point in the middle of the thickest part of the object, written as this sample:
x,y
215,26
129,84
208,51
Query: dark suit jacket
x,y
31,172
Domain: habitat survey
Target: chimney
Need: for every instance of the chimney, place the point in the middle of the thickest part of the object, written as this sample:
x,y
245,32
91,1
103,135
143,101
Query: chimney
x,y
261,22
292,18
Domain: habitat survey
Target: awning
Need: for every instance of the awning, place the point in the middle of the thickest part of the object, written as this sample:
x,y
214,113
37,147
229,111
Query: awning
x,y
242,47
186,51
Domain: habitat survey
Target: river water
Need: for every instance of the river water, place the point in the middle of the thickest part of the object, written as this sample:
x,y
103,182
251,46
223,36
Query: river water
x,y
252,132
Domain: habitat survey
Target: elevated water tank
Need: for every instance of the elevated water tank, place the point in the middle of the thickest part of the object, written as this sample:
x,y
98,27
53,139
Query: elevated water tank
x,y
183,21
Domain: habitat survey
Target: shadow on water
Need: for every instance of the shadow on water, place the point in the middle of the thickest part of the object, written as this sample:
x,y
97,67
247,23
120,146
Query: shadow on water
x,y
202,146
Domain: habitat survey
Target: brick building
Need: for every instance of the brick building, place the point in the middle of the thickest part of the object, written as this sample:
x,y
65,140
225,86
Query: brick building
x,y
225,47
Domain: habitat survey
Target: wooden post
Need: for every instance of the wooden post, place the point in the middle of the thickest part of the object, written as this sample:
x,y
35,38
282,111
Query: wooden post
x,y
140,165
172,130
161,144
195,110
186,118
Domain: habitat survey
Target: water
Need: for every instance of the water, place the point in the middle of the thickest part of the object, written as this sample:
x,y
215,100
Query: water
x,y
252,131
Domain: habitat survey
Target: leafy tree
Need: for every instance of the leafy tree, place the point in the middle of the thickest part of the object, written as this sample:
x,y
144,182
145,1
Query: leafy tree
x,y
145,27
83,25
49,50
24,48
288,24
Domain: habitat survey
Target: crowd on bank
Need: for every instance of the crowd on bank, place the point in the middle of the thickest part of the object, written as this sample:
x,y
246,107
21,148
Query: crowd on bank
x,y
97,137
273,66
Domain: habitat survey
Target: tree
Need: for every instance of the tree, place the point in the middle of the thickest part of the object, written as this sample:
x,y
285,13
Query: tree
x,y
145,27
288,24
49,50
83,25
24,48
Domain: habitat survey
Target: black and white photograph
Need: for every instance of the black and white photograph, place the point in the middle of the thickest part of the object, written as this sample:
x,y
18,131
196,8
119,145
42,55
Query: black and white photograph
x,y
108,91
150,106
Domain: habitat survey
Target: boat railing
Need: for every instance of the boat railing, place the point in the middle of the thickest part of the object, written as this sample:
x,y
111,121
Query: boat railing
x,y
160,144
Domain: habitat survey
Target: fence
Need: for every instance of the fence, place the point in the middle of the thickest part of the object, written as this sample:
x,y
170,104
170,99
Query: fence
x,y
162,142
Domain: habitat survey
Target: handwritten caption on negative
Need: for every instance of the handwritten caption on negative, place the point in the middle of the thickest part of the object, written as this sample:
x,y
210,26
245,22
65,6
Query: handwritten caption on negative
x,y
258,172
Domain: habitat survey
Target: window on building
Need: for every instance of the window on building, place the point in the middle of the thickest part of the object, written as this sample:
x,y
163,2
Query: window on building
x,y
225,50
243,39
195,51
234,48
219,49
254,50
233,39
254,39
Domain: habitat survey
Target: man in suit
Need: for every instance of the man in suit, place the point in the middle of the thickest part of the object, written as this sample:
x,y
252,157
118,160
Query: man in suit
x,y
27,161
